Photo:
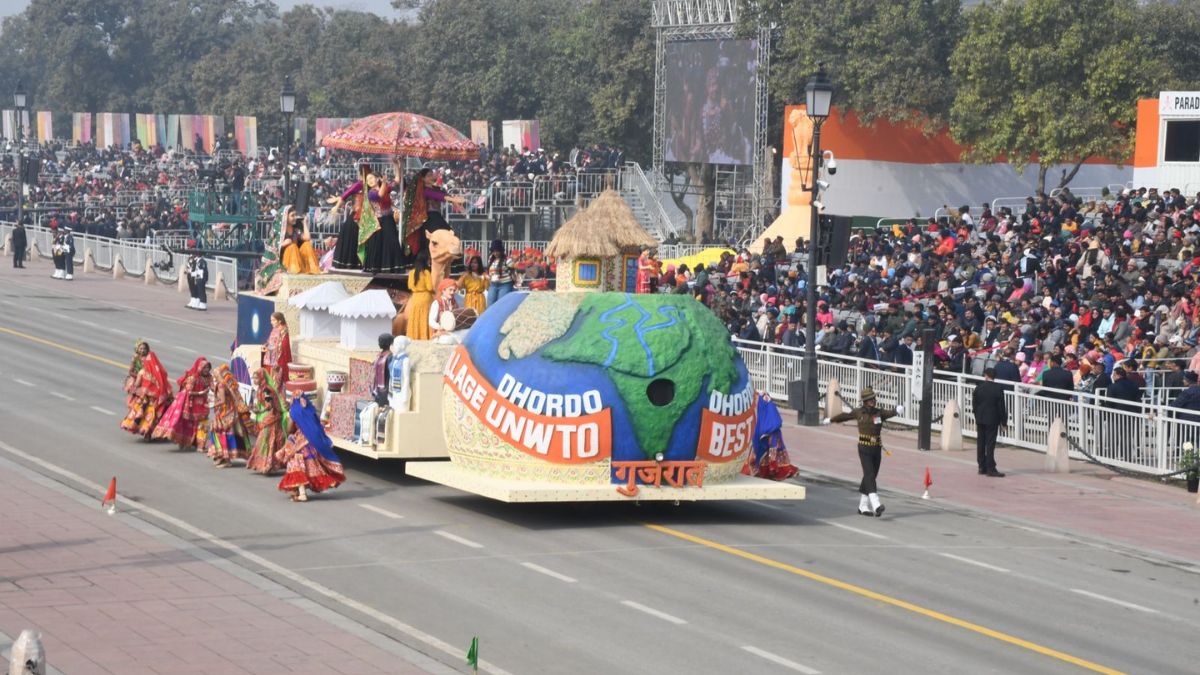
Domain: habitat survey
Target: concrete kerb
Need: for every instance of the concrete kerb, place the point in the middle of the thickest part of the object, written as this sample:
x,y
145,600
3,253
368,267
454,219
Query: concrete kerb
x,y
89,261
220,293
149,278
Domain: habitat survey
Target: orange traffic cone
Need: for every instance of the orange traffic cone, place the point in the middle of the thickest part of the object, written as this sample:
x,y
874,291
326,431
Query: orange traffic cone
x,y
110,497
928,482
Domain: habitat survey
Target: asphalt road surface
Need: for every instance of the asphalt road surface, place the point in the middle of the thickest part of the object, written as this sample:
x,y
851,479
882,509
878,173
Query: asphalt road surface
x,y
598,588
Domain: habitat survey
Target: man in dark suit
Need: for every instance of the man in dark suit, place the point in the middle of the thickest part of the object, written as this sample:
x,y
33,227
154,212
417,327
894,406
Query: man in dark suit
x,y
991,413
1058,378
1007,369
1124,430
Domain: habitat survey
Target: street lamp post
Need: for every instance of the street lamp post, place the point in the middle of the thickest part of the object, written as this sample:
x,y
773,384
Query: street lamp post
x,y
817,95
287,106
19,102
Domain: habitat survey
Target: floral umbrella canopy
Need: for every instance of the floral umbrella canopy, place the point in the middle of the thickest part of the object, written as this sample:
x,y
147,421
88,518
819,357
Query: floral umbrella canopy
x,y
401,133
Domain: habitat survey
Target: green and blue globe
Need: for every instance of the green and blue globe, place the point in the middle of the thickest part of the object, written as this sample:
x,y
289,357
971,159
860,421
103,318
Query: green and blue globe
x,y
653,362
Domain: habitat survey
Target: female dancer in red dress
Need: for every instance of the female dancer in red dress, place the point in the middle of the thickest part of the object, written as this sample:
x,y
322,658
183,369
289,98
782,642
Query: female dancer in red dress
x,y
149,391
311,462
186,421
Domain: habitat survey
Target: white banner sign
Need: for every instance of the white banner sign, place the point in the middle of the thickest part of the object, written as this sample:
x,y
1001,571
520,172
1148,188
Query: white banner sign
x,y
915,383
1179,103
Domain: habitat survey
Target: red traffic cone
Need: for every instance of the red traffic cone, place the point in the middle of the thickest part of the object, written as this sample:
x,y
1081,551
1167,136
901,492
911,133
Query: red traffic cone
x,y
928,482
110,496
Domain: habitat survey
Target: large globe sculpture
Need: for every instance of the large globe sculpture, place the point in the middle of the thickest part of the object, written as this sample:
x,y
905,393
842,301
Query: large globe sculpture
x,y
568,387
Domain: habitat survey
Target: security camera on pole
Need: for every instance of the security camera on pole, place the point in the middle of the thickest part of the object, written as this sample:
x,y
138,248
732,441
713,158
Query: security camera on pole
x,y
818,95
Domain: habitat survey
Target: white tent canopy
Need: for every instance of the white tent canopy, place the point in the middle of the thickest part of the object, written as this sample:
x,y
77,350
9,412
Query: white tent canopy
x,y
315,320
363,318
322,296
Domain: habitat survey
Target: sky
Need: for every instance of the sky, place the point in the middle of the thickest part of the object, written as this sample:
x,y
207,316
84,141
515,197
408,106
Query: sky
x,y
381,7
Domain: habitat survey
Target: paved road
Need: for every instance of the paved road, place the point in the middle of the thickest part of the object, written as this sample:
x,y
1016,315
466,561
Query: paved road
x,y
602,588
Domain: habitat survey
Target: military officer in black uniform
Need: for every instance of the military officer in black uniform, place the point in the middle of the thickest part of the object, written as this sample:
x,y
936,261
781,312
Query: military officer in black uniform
x,y
870,447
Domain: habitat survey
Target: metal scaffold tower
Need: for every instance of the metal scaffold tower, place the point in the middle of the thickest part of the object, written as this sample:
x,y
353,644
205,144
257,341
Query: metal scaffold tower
x,y
742,198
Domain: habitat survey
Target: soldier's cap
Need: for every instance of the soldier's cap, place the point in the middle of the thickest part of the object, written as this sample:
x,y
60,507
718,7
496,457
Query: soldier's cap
x,y
867,394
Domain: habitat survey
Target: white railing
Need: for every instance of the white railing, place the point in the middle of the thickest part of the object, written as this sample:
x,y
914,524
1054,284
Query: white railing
x,y
133,254
1135,436
633,180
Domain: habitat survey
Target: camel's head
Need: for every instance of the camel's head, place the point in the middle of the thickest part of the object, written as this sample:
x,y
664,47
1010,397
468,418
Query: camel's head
x,y
444,246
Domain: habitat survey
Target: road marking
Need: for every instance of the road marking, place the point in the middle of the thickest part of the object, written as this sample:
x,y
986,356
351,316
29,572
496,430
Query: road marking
x,y
1114,601
977,563
264,565
65,348
458,539
62,317
24,382
848,528
549,573
887,599
773,507
185,350
118,331
382,512
653,612
102,411
779,660
62,396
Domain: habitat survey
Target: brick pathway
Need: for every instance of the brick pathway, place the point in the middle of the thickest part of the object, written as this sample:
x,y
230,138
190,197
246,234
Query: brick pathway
x,y
1090,501
113,595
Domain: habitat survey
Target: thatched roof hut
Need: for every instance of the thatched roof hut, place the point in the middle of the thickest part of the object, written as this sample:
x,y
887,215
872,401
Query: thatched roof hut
x,y
602,230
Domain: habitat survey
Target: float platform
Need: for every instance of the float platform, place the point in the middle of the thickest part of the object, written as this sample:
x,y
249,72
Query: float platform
x,y
741,487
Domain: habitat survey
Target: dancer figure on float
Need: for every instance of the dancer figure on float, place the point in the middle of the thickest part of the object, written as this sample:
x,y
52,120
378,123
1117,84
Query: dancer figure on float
x,y
277,353
295,244
422,212
382,253
149,390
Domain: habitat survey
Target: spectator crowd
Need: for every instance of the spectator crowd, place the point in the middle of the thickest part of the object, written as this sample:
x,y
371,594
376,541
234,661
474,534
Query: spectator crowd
x,y
1096,290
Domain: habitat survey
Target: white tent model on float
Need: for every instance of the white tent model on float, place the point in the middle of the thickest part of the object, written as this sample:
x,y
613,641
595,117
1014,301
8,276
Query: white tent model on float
x,y
314,304
364,318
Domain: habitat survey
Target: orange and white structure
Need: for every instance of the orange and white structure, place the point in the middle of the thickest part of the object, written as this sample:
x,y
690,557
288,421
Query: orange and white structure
x,y
1167,148
889,170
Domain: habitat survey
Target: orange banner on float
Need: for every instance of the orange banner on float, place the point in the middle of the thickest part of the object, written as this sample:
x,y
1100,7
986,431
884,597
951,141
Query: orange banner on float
x,y
723,438
561,440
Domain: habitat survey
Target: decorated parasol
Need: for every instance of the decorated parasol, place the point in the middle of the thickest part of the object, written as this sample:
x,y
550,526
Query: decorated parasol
x,y
406,134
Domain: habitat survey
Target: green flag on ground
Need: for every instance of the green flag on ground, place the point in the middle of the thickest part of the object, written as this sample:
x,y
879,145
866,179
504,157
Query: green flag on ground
x,y
473,654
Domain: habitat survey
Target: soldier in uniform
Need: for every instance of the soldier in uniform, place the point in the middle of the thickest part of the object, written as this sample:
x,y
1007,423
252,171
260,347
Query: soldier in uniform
x,y
870,447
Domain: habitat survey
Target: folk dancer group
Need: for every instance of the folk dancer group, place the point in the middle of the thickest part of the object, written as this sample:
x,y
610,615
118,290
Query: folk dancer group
x,y
207,413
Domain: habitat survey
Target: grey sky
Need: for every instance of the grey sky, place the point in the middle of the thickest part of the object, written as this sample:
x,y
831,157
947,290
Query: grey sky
x,y
381,7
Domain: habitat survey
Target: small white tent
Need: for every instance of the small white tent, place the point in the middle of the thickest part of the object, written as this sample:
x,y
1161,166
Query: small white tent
x,y
314,304
364,318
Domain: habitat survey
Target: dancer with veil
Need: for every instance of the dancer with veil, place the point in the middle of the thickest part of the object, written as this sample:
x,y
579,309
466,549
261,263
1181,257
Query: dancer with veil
x,y
422,211
378,238
186,421
312,465
271,422
229,428
149,390
277,353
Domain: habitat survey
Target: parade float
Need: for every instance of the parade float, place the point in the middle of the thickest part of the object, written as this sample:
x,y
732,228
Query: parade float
x,y
587,393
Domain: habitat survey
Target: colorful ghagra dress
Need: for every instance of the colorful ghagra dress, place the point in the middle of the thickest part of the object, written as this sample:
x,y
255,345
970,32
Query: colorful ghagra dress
x,y
308,454
149,395
186,421
229,425
271,424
